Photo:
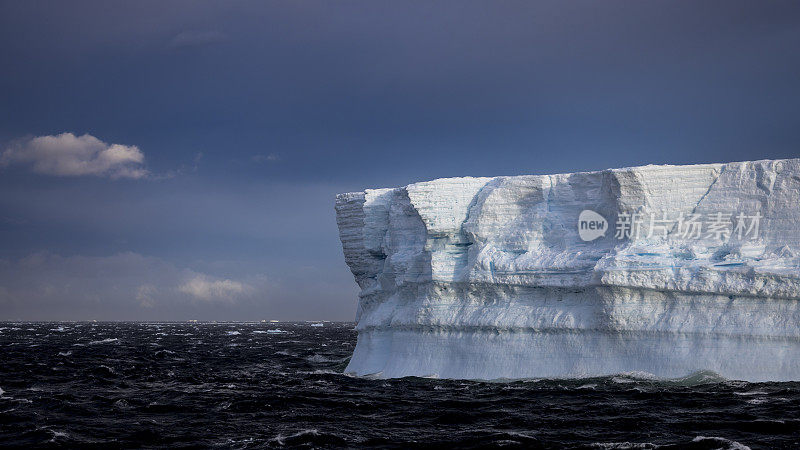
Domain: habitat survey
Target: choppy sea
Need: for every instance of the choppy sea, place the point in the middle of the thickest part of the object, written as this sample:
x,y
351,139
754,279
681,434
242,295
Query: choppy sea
x,y
256,385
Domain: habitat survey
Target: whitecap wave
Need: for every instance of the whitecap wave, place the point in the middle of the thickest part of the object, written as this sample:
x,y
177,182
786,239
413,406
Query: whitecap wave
x,y
103,341
748,393
280,439
725,444
319,359
624,445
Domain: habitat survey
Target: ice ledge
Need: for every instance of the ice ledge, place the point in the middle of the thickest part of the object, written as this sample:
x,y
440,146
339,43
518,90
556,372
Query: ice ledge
x,y
483,251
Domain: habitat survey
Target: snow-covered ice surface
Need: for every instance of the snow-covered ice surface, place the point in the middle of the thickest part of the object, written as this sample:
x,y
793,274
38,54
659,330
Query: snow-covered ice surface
x,y
488,278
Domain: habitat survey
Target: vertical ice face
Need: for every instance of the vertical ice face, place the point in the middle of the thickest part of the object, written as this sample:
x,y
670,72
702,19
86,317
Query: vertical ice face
x,y
686,268
443,206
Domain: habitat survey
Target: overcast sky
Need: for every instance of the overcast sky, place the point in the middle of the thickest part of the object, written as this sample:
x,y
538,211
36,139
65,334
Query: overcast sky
x,y
175,160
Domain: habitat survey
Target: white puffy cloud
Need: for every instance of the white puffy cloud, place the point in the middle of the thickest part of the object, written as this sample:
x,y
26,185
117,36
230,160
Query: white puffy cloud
x,y
68,155
204,288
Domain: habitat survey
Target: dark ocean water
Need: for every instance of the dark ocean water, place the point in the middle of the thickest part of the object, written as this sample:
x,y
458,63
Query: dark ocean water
x,y
240,385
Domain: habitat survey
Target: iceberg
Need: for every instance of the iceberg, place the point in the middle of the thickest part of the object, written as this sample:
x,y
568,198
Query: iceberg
x,y
666,270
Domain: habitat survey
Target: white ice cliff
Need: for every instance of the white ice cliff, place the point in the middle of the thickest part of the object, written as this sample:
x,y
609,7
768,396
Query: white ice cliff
x,y
675,269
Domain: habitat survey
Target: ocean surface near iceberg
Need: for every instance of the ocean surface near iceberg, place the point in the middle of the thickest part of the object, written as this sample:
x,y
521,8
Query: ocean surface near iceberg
x,y
89,385
664,270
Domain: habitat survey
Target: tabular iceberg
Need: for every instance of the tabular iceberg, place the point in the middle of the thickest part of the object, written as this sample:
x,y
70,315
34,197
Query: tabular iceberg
x,y
666,270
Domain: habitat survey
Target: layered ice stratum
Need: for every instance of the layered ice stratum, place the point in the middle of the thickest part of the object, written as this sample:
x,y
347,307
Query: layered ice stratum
x,y
665,270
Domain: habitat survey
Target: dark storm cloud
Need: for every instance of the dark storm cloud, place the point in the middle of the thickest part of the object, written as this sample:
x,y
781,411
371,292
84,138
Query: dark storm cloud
x,y
290,102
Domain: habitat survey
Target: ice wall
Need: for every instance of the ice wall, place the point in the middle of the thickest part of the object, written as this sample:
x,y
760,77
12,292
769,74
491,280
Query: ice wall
x,y
697,268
